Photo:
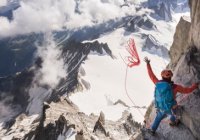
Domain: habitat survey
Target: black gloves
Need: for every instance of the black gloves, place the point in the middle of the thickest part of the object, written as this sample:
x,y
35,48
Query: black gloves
x,y
147,60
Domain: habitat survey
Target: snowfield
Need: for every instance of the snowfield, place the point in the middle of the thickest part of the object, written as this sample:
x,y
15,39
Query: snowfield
x,y
107,76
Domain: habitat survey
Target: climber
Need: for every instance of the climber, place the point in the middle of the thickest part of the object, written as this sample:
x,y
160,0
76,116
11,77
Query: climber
x,y
165,96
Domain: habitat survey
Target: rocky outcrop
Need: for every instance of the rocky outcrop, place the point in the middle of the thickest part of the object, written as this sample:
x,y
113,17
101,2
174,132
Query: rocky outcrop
x,y
180,43
17,90
185,61
195,23
188,66
143,22
63,120
165,131
154,47
162,8
7,11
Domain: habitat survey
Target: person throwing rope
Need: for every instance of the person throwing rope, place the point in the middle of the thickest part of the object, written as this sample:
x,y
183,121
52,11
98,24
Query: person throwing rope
x,y
165,96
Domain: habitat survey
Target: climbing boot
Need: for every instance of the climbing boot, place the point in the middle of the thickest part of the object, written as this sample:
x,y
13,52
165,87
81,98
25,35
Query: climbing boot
x,y
176,123
152,132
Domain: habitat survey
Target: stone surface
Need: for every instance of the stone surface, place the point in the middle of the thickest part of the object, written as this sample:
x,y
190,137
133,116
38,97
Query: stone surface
x,y
63,120
154,47
185,62
195,23
180,43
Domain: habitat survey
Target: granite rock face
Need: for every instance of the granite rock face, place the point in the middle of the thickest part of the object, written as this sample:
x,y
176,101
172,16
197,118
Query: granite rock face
x,y
195,23
63,119
185,63
154,47
180,43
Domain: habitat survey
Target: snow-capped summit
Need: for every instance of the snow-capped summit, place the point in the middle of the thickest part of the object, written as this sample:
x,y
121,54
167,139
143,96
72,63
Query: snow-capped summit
x,y
163,9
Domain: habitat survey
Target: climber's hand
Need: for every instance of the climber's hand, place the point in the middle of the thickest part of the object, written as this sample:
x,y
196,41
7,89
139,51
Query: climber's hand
x,y
197,91
147,60
195,85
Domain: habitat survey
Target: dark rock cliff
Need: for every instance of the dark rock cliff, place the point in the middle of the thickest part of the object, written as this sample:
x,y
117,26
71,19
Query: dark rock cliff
x,y
185,62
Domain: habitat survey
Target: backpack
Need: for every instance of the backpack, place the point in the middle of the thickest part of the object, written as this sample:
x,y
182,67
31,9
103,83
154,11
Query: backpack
x,y
163,94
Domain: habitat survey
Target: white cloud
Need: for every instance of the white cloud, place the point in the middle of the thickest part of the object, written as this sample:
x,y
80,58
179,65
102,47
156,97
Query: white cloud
x,y
38,16
5,24
46,15
99,11
3,2
53,69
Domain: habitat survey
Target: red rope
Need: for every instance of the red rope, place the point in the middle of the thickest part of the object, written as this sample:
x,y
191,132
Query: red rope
x,y
133,59
129,96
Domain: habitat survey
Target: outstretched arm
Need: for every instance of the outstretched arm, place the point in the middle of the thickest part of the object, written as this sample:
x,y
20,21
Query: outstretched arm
x,y
150,72
185,90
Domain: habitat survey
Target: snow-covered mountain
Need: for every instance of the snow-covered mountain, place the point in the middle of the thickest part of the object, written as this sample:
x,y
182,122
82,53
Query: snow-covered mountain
x,y
77,49
7,8
163,9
